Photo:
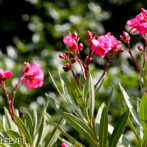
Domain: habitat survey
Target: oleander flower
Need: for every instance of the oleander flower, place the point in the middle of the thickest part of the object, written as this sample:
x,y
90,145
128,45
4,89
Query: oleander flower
x,y
70,40
104,44
139,23
33,77
5,74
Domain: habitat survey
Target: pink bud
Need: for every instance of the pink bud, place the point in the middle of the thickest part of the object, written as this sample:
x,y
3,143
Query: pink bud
x,y
94,35
64,145
73,60
74,35
5,74
61,56
140,48
126,36
80,46
88,34
26,67
120,50
121,37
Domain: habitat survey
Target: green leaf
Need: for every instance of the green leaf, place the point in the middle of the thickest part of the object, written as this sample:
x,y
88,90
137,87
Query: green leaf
x,y
55,85
98,117
103,128
13,134
130,106
74,92
23,129
109,99
29,123
35,121
144,141
91,97
64,133
40,132
143,111
76,144
56,105
9,120
80,126
85,90
118,130
55,134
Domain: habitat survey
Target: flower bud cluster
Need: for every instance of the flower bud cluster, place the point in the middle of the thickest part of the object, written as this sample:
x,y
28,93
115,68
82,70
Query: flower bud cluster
x,y
69,57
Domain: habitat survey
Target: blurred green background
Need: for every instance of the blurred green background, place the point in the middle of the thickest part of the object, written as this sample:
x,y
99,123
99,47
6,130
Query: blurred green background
x,y
33,30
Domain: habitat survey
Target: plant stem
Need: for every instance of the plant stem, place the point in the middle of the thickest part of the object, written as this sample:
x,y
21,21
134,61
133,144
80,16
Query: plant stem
x,y
14,93
108,61
81,64
129,50
87,63
10,109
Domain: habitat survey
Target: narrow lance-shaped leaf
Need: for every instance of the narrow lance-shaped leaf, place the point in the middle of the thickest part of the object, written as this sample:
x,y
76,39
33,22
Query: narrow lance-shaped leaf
x,y
55,134
10,123
91,97
103,128
130,106
119,129
144,141
23,129
80,126
143,111
56,105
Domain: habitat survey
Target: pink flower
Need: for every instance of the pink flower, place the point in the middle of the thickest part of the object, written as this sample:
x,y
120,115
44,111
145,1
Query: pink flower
x,y
64,145
33,77
5,74
71,41
139,23
104,44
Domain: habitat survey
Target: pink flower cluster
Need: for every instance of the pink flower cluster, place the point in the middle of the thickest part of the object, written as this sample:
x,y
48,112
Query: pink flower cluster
x,y
32,76
5,74
104,44
139,23
72,41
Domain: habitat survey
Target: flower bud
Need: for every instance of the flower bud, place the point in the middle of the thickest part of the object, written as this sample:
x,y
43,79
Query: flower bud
x,y
91,58
64,145
140,48
121,37
88,34
118,51
61,56
94,35
80,46
67,67
26,67
73,60
74,35
126,36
